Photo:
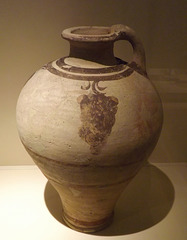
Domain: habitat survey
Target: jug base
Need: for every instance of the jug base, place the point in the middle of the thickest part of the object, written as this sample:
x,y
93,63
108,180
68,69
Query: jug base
x,y
87,227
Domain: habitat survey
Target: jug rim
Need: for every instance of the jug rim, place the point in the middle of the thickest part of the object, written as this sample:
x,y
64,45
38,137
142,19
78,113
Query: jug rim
x,y
89,34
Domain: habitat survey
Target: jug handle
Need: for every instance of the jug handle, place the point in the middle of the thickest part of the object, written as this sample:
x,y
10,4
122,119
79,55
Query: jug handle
x,y
123,32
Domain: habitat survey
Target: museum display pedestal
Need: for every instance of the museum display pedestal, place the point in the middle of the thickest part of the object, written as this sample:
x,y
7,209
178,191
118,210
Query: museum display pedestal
x,y
30,207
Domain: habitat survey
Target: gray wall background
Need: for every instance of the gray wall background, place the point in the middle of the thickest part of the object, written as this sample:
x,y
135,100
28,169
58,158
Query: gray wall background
x,y
30,37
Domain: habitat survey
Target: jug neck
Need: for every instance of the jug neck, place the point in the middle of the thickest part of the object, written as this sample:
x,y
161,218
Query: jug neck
x,y
99,52
92,43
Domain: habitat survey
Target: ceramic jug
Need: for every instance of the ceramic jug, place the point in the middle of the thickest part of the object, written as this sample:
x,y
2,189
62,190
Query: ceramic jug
x,y
90,121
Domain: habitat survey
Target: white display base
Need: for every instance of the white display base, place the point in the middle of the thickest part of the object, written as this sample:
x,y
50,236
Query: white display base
x,y
153,207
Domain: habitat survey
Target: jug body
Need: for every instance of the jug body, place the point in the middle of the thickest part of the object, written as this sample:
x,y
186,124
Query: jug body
x,y
90,122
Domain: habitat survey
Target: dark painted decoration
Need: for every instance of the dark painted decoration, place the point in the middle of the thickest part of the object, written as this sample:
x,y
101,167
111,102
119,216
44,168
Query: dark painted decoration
x,y
98,117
